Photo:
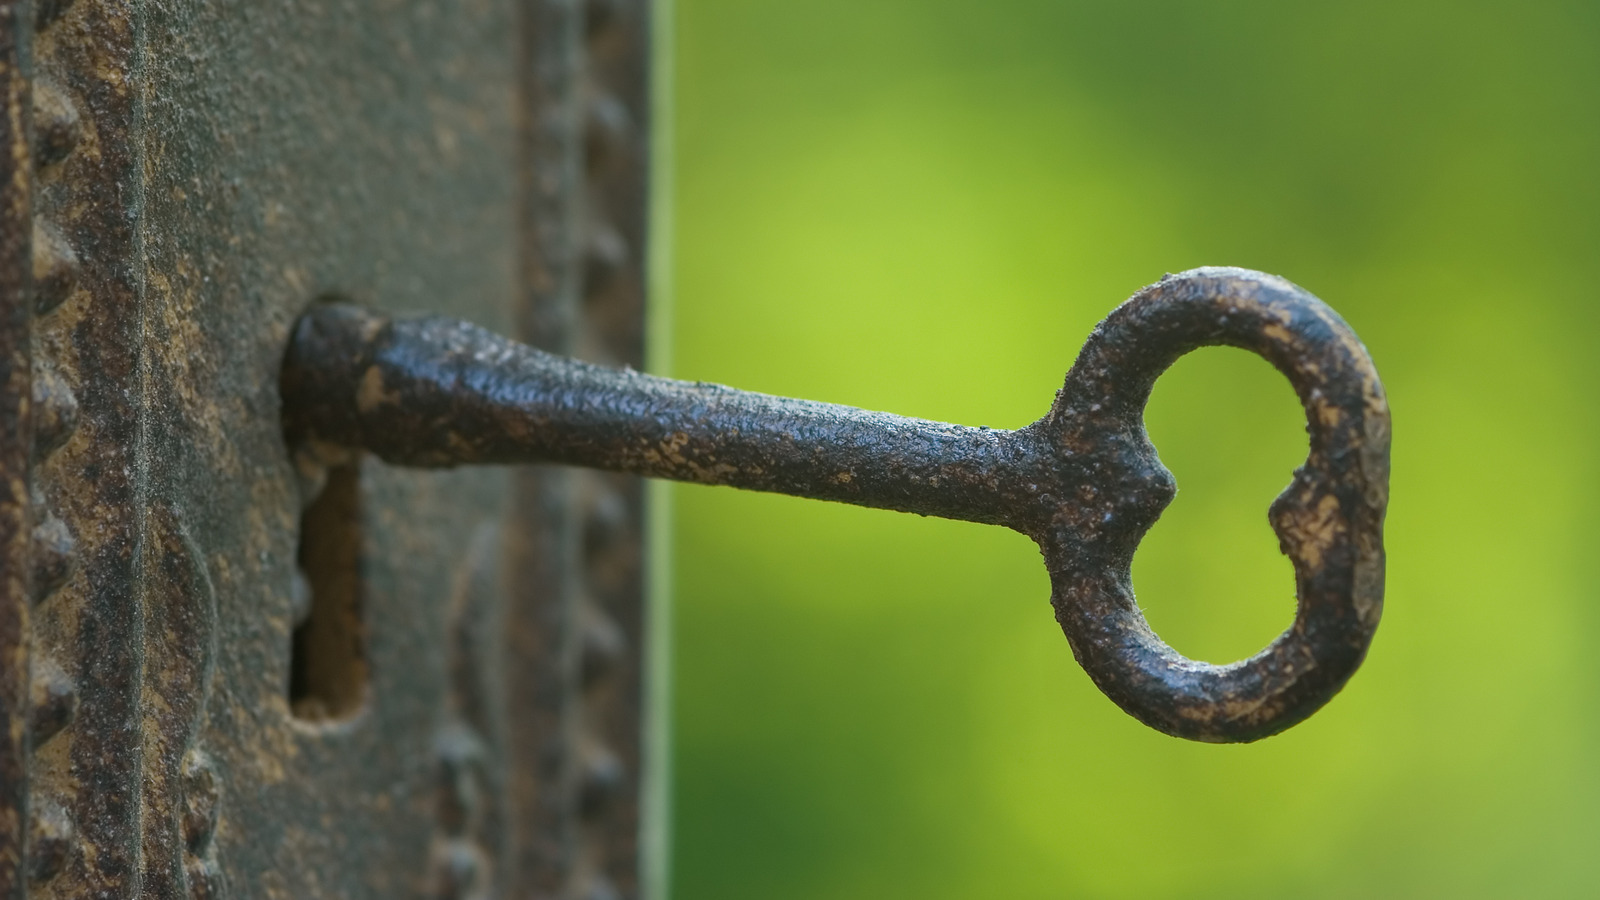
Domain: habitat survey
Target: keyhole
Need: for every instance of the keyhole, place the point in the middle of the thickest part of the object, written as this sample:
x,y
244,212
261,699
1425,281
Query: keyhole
x,y
328,668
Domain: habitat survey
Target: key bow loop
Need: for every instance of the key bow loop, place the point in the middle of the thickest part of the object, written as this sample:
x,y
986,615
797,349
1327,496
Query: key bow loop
x,y
1329,520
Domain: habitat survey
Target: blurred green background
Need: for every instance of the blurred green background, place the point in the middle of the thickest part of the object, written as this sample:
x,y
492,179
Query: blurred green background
x,y
923,206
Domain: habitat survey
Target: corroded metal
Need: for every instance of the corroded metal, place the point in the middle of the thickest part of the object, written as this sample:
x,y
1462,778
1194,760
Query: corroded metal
x,y
178,181
1083,481
16,438
574,669
89,622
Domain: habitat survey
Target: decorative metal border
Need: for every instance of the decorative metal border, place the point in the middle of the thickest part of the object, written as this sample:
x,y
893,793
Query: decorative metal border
x,y
121,605
577,628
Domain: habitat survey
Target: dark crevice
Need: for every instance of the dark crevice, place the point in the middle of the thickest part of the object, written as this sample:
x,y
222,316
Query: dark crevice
x,y
328,668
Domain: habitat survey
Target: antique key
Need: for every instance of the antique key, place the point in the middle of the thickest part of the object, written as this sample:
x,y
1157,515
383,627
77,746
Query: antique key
x,y
1083,482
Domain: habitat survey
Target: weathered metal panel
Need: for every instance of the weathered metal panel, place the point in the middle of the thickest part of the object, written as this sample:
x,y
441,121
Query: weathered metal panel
x,y
203,173
296,151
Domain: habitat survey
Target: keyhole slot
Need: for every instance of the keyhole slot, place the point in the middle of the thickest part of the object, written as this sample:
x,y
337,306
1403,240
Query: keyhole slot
x,y
328,667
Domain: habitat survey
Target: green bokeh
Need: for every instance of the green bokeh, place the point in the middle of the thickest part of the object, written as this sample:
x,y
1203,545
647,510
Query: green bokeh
x,y
923,206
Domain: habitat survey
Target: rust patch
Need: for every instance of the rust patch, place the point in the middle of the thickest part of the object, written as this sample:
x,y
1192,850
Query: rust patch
x,y
1311,532
371,394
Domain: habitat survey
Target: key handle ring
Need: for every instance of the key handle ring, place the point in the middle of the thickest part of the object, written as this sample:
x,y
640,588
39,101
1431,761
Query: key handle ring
x,y
1329,520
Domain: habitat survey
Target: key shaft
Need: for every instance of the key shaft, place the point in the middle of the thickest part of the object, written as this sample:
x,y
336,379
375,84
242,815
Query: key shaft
x,y
434,391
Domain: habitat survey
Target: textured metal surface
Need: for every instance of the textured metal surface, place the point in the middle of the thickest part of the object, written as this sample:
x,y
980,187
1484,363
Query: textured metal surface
x,y
89,628
1083,481
16,421
180,181
574,673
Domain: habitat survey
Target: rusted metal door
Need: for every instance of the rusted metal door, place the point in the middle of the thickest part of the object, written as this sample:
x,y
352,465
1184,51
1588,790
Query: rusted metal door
x,y
223,674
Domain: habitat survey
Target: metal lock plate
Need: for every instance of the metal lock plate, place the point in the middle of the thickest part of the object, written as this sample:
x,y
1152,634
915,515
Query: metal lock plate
x,y
217,678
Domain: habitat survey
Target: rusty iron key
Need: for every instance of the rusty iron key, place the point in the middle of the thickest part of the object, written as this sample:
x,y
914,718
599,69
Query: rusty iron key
x,y
1083,482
